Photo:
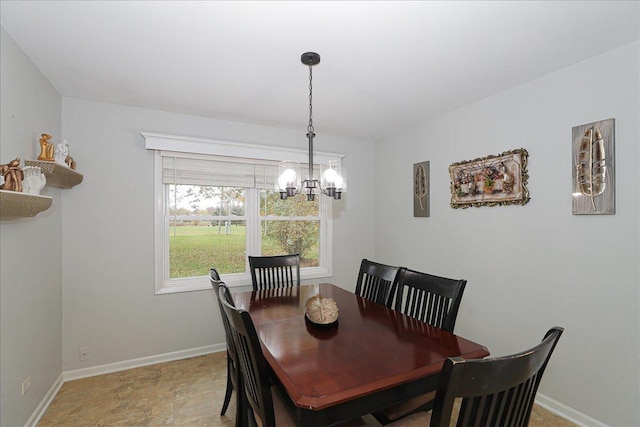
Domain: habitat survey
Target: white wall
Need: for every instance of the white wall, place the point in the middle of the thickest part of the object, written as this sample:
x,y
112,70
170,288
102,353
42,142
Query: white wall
x,y
30,249
535,266
109,303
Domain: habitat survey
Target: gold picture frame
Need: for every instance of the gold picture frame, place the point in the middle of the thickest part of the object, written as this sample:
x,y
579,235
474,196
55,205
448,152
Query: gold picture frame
x,y
493,180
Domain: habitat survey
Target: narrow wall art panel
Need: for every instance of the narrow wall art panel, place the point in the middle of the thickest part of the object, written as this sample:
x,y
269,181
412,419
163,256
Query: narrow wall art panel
x,y
421,189
594,168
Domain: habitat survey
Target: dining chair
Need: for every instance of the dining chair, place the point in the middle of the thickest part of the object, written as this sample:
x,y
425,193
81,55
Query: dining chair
x,y
377,282
260,395
491,392
233,371
433,300
278,271
264,405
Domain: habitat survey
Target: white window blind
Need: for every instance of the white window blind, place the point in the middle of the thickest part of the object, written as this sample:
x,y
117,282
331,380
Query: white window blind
x,y
179,168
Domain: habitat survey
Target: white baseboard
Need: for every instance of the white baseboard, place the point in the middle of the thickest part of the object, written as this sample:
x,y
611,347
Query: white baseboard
x,y
44,404
567,413
142,361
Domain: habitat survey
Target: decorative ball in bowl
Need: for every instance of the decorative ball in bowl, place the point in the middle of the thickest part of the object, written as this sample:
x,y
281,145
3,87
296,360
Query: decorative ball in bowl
x,y
321,311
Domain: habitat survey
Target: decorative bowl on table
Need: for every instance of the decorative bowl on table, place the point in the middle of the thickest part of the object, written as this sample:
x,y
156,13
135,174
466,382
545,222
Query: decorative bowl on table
x,y
321,311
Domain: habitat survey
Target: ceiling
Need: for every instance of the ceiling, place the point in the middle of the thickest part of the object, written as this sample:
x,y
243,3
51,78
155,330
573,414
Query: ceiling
x,y
384,65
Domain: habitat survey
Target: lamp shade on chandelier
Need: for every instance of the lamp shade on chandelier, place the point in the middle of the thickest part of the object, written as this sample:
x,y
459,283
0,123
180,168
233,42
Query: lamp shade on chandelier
x,y
332,181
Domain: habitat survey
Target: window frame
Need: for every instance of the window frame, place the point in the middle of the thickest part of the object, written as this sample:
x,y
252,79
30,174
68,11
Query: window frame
x,y
183,145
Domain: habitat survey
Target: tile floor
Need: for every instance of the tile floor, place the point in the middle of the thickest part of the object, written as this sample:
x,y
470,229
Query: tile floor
x,y
187,392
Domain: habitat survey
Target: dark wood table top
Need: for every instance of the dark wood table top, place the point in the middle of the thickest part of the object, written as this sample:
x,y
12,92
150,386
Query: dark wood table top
x,y
372,347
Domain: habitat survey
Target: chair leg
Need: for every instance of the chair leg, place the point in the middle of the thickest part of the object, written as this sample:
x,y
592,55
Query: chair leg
x,y
227,394
248,418
381,418
242,416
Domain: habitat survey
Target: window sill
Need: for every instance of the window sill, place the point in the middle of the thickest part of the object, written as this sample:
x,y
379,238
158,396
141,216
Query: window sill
x,y
203,283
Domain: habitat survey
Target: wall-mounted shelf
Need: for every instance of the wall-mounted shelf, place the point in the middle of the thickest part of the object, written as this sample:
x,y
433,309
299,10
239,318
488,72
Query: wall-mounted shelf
x,y
20,205
57,174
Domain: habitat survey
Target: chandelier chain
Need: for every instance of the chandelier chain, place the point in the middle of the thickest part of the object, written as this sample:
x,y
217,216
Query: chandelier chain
x,y
310,127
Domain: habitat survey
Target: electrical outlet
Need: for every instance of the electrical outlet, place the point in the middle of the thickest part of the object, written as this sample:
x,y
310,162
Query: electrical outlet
x,y
26,385
84,353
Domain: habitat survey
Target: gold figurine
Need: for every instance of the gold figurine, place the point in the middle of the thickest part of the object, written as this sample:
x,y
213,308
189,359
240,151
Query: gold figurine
x,y
70,162
46,148
13,176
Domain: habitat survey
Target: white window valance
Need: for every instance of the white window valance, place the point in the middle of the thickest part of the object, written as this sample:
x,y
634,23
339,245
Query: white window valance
x,y
185,144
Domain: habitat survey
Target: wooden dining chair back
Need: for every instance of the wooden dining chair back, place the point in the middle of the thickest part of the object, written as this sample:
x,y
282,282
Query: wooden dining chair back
x,y
233,370
432,303
432,299
492,392
270,272
495,391
253,366
377,282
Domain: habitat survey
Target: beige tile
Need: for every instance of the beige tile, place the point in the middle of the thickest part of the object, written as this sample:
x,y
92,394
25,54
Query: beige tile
x,y
198,406
543,418
181,393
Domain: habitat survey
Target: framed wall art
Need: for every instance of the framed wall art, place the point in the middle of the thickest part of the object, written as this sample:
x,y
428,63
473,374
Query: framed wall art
x,y
490,181
421,189
594,168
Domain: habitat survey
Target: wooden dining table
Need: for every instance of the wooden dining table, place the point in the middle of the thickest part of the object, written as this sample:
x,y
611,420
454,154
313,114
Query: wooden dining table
x,y
373,357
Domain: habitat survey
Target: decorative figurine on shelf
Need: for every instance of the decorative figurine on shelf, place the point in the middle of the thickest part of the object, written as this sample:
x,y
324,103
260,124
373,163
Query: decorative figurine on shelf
x,y
12,175
34,180
62,152
46,148
70,162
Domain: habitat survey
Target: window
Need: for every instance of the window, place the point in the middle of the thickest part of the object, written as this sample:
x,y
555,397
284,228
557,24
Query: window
x,y
290,226
213,211
207,227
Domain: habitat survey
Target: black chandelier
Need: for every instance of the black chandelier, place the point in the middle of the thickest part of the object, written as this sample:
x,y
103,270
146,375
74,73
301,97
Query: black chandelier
x,y
332,182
